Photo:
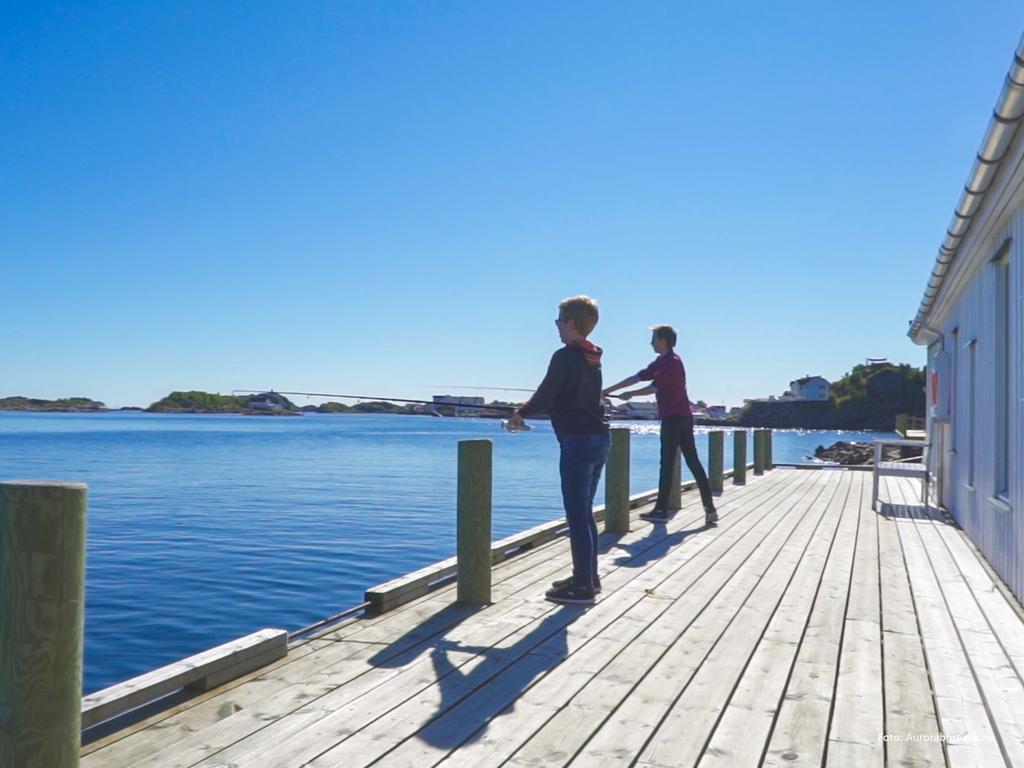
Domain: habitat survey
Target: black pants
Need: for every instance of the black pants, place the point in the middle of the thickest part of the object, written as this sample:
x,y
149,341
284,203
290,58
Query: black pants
x,y
676,434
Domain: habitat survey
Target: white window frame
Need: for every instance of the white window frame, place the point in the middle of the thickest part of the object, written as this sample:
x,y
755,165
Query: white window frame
x,y
972,409
1003,365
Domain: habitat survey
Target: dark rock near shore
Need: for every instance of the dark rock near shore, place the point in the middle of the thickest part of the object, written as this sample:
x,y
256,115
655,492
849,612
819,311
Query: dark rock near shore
x,y
847,454
854,454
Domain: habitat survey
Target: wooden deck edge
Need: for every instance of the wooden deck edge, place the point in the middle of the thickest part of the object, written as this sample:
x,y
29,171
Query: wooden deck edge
x,y
203,671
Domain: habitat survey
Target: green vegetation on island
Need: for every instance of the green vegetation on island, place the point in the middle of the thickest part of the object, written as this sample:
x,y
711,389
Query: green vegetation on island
x,y
869,397
206,402
62,404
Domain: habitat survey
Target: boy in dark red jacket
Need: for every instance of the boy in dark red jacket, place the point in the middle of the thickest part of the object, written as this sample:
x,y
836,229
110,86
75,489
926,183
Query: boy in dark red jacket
x,y
571,394
668,382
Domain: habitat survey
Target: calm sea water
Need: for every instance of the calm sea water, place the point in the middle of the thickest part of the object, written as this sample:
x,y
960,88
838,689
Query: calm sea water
x,y
203,528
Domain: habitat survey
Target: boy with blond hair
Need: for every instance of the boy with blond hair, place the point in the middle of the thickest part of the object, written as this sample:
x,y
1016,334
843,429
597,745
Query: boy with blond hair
x,y
571,394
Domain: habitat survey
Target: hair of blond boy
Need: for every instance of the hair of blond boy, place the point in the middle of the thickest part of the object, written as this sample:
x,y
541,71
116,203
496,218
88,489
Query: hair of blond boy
x,y
665,333
582,310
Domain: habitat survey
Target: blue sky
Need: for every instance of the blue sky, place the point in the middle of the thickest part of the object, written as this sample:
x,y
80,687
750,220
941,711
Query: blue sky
x,y
383,197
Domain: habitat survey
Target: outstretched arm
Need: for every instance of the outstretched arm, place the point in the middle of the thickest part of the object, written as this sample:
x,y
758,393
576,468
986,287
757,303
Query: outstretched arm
x,y
624,383
649,390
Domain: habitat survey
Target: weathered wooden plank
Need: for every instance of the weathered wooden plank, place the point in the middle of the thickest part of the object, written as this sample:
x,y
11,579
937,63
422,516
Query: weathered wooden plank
x,y
858,717
800,731
631,728
1000,686
567,707
911,718
742,733
961,710
688,727
203,671
1003,618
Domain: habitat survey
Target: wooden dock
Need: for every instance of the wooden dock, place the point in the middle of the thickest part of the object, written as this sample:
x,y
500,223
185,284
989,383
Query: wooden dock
x,y
804,630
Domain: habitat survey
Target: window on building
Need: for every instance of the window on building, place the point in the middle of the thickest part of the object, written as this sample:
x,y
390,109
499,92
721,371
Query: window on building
x,y
972,407
954,372
1002,373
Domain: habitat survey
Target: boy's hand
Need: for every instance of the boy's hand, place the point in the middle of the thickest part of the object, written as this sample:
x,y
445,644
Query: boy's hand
x,y
606,392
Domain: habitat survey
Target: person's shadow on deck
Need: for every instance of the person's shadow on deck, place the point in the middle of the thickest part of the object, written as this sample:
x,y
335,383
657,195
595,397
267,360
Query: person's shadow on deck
x,y
478,682
654,546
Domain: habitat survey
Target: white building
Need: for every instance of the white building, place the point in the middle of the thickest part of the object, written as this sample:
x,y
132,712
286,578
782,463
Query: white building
x,y
971,320
809,388
458,403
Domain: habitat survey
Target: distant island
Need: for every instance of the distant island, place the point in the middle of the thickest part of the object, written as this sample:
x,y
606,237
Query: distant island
x,y
194,401
67,404
262,404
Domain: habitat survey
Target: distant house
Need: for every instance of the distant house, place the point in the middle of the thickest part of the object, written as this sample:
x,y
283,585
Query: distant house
x,y
717,411
870,362
458,403
971,319
809,388
264,402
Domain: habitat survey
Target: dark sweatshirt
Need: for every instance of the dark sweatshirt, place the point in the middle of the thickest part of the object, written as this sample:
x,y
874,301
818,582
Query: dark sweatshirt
x,y
571,392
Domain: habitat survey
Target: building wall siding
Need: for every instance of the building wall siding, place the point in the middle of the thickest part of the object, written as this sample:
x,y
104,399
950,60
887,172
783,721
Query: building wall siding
x,y
998,534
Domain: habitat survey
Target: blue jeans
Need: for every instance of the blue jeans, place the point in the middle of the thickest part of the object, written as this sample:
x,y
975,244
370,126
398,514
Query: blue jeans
x,y
582,460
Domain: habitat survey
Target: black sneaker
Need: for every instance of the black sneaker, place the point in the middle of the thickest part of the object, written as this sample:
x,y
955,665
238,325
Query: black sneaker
x,y
559,583
655,515
570,594
710,517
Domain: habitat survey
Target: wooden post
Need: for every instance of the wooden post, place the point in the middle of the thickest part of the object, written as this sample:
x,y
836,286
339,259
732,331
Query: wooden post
x,y
616,483
474,522
759,452
739,457
42,585
675,493
768,450
716,460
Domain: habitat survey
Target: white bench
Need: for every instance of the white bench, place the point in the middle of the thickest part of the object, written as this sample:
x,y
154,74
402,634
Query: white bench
x,y
917,470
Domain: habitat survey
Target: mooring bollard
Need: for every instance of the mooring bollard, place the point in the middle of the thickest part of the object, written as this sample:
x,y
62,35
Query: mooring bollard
x,y
759,457
716,460
768,463
474,522
675,492
739,457
42,583
616,483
